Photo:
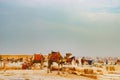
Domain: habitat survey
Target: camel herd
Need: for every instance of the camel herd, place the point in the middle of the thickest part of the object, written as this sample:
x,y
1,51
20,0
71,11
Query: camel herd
x,y
56,57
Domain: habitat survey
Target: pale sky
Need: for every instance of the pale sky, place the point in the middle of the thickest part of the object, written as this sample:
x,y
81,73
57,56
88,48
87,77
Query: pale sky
x,y
82,27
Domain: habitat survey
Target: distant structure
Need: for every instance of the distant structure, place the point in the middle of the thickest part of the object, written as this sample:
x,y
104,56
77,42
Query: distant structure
x,y
15,56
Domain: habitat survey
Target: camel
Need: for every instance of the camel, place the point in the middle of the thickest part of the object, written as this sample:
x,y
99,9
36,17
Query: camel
x,y
55,57
38,58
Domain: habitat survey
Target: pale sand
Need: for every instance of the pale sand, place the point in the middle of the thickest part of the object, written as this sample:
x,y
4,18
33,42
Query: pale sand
x,y
38,75
43,75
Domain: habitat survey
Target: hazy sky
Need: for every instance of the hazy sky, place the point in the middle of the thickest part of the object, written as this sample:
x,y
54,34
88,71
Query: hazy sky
x,y
82,27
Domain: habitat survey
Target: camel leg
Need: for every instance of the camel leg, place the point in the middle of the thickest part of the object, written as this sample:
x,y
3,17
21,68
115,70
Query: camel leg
x,y
62,68
47,70
41,65
49,67
4,67
58,69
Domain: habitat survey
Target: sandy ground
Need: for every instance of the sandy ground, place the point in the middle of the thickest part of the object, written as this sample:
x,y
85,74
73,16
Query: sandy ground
x,y
43,75
38,75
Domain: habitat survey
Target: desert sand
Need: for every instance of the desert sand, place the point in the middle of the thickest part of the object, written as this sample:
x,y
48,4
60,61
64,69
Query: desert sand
x,y
43,75
38,75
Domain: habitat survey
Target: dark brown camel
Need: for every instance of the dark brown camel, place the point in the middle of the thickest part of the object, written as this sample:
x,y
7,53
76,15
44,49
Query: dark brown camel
x,y
69,59
55,57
